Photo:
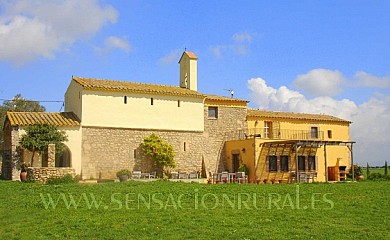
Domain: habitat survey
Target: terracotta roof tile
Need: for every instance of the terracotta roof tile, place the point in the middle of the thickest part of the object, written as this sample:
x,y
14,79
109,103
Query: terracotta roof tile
x,y
122,86
191,55
59,119
222,98
291,115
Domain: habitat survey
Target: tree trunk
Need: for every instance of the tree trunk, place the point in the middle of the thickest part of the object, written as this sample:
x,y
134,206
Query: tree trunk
x,y
32,158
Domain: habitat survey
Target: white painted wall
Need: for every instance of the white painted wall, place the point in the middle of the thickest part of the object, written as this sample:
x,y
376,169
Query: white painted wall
x,y
107,109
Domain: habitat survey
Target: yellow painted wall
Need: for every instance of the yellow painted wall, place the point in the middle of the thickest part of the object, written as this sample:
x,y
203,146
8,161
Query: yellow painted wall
x,y
246,157
340,131
73,143
73,99
107,109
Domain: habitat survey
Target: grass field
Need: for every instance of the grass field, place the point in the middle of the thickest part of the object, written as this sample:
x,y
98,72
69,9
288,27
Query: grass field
x,y
168,210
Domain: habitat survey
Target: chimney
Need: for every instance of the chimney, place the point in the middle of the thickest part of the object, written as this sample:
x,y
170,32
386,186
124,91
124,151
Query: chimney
x,y
189,71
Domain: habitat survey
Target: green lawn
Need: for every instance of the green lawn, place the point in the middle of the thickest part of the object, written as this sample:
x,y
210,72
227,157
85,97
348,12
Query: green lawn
x,y
168,210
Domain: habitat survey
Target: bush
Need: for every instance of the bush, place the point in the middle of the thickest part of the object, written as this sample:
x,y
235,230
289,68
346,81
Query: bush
x,y
357,171
378,177
123,172
243,168
67,179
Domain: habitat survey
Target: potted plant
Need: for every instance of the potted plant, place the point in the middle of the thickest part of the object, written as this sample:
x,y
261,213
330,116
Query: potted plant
x,y
123,175
23,172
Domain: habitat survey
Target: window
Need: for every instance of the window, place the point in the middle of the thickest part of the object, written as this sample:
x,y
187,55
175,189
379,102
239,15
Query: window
x,y
185,146
151,101
284,163
272,163
178,103
329,133
213,112
301,163
135,153
125,100
314,132
311,163
267,129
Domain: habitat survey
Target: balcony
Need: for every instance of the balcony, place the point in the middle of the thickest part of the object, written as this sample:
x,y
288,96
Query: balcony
x,y
287,134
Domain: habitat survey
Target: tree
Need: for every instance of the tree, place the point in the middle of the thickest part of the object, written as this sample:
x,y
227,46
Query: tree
x,y
18,104
39,136
160,151
386,168
367,170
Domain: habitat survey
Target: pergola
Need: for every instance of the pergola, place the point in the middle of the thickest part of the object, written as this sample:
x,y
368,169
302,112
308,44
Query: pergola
x,y
297,144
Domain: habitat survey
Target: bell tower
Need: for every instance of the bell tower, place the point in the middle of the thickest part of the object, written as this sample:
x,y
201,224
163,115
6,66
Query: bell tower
x,y
189,71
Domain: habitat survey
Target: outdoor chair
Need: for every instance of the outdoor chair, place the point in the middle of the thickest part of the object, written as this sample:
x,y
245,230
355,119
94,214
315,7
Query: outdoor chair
x,y
174,175
136,174
183,175
241,177
193,175
225,177
153,175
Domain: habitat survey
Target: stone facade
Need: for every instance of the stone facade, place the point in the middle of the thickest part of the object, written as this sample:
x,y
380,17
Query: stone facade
x,y
41,174
229,124
11,154
107,150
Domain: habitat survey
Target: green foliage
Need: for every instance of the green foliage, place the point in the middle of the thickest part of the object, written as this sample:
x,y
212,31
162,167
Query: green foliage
x,y
67,179
23,167
378,176
123,172
18,104
39,136
386,168
243,168
368,170
159,150
357,171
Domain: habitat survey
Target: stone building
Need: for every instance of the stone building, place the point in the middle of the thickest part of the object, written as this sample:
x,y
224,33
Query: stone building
x,y
113,118
107,120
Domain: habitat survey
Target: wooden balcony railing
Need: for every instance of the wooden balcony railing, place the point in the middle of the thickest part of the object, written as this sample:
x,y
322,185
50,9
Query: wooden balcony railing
x,y
286,134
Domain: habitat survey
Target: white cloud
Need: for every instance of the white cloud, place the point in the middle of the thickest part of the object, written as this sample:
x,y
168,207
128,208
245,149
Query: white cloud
x,y
239,46
172,57
370,127
31,29
112,43
242,37
320,82
364,79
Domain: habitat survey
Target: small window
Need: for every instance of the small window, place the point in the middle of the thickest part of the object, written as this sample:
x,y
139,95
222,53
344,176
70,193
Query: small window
x,y
125,100
213,112
184,146
135,153
267,129
151,101
311,163
314,132
330,134
284,163
301,163
178,103
272,163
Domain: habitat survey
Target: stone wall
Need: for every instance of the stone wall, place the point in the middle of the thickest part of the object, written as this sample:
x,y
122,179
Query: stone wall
x,y
229,124
41,174
107,150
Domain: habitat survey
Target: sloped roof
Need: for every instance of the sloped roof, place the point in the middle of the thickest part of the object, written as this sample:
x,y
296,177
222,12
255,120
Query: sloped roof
x,y
292,115
59,119
191,55
135,87
222,98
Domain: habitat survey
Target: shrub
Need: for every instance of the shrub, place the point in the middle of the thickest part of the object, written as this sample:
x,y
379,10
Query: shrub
x,y
357,169
243,168
123,172
67,179
378,177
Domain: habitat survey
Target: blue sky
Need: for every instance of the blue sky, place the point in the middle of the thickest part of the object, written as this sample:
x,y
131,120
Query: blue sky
x,y
306,56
